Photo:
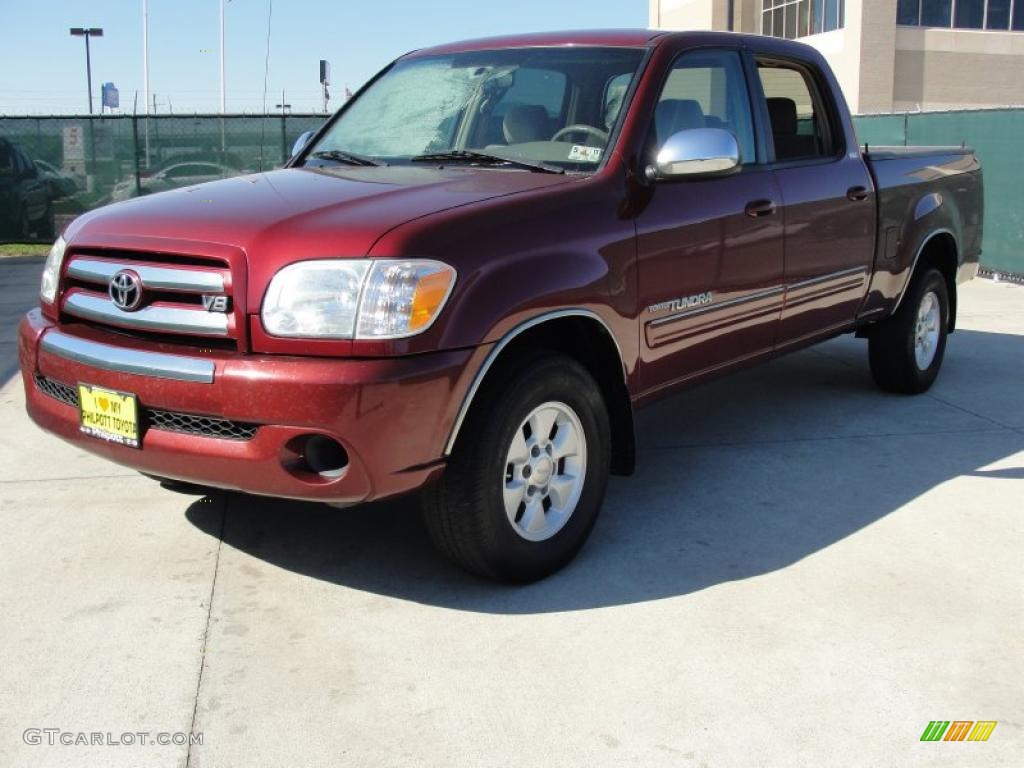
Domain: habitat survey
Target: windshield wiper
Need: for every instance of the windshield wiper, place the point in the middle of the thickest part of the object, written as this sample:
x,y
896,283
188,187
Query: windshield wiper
x,y
471,156
349,158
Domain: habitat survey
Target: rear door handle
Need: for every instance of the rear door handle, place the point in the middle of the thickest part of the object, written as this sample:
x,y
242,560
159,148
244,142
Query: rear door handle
x,y
758,208
856,194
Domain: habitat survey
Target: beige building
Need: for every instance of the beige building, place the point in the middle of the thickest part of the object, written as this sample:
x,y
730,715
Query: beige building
x,y
889,55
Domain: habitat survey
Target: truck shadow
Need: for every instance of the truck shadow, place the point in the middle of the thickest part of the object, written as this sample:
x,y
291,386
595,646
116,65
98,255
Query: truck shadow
x,y
735,479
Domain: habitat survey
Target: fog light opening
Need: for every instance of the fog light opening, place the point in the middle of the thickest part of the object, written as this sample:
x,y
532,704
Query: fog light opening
x,y
325,457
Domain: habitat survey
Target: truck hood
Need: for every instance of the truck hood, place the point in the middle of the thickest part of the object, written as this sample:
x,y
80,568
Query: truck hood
x,y
274,218
308,211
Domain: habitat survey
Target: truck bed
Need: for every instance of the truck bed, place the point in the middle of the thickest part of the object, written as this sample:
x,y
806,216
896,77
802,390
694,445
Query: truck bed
x,y
921,191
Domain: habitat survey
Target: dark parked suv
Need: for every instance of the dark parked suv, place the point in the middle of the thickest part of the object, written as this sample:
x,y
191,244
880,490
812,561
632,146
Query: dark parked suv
x,y
25,205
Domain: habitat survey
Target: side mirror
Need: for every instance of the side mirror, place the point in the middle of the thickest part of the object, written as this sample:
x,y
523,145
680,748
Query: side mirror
x,y
301,142
695,152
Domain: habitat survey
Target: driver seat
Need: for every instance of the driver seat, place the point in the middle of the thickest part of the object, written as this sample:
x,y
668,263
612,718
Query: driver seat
x,y
674,115
525,122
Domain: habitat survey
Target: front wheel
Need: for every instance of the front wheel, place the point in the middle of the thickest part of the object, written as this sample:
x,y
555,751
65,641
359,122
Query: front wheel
x,y
527,477
906,350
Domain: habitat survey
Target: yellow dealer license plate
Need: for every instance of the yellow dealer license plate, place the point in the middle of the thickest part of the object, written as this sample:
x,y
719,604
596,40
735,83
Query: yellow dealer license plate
x,y
109,415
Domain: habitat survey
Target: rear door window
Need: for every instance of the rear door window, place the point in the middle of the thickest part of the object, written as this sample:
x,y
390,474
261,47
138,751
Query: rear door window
x,y
800,125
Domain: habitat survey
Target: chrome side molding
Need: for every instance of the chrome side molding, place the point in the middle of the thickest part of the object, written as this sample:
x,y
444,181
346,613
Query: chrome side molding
x,y
152,318
122,360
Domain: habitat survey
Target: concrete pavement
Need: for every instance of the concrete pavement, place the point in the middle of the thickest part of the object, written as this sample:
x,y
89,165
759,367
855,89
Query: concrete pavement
x,y
804,571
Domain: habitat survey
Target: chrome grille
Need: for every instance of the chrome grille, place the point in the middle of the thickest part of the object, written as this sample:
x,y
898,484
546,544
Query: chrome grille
x,y
157,319
157,278
176,296
157,418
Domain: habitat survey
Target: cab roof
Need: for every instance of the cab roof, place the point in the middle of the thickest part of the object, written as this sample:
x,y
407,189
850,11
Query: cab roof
x,y
627,38
631,38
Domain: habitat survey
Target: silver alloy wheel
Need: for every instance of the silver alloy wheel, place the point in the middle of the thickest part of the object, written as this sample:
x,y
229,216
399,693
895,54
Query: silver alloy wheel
x,y
926,330
545,469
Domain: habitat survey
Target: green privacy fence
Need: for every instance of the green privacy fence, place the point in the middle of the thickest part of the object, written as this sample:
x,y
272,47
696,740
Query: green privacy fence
x,y
81,163
997,136
55,168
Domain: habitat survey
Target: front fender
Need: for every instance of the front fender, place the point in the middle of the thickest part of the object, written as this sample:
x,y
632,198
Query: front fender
x,y
524,255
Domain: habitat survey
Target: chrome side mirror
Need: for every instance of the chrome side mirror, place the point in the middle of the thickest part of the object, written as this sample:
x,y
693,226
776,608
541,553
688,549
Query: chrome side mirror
x,y
301,142
695,152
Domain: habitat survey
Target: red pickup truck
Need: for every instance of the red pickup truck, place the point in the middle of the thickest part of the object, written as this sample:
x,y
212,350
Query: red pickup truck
x,y
467,280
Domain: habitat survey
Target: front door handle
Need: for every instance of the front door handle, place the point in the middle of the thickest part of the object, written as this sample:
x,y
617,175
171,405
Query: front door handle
x,y
758,208
856,194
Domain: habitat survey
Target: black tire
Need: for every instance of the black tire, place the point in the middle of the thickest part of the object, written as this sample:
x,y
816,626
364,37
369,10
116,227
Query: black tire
x,y
24,225
891,345
46,228
465,511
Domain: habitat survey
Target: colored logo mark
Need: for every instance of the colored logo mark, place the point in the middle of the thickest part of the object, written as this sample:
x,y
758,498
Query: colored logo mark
x,y
958,730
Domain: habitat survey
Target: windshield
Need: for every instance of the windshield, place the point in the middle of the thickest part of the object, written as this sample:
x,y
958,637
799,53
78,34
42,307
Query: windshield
x,y
548,106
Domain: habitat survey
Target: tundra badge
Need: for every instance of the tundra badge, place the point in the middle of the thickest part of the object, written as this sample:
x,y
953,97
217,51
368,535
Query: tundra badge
x,y
684,302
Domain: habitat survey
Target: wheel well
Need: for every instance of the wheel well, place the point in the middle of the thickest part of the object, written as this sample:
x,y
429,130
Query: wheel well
x,y
939,252
590,343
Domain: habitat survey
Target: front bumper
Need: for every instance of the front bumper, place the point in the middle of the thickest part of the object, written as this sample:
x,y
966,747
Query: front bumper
x,y
392,416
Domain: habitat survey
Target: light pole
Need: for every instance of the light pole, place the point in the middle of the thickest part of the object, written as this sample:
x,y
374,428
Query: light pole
x,y
145,72
87,32
222,109
145,56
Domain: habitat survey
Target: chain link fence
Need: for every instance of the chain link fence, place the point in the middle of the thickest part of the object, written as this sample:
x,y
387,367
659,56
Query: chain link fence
x,y
55,168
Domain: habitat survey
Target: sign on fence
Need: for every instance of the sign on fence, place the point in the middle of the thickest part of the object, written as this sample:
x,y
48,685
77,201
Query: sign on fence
x,y
74,149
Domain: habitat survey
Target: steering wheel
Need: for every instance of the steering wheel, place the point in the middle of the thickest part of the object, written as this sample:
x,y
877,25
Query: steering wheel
x,y
581,128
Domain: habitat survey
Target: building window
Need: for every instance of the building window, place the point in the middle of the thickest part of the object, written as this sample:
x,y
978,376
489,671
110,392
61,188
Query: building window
x,y
962,14
797,18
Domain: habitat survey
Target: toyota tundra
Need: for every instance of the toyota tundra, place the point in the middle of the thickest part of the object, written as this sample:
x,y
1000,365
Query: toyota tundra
x,y
467,281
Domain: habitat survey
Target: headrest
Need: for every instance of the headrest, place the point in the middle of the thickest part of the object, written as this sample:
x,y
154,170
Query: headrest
x,y
525,122
782,112
674,115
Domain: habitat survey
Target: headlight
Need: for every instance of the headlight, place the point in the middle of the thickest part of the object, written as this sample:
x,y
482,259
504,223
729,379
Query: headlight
x,y
51,272
356,298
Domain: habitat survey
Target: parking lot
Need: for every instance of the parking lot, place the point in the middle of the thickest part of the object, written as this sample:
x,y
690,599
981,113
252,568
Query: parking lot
x,y
803,571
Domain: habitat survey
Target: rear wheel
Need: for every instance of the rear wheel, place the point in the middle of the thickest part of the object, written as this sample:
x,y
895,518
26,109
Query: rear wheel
x,y
527,477
906,350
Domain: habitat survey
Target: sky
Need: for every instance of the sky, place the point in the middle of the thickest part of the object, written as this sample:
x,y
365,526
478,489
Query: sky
x,y
42,68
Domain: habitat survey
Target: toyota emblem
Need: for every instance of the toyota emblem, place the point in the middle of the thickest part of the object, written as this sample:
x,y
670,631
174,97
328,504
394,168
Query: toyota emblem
x,y
126,290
